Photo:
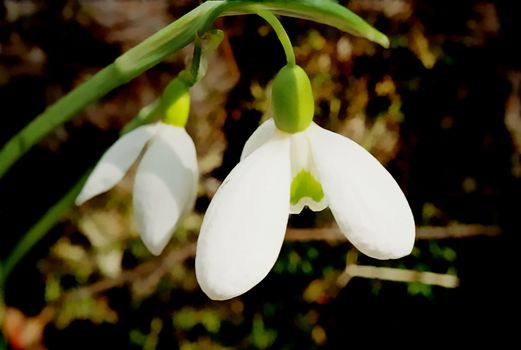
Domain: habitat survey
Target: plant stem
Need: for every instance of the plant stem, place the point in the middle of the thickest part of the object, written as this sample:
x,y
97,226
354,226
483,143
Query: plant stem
x,y
134,62
145,116
51,217
94,88
168,40
196,60
281,34
38,231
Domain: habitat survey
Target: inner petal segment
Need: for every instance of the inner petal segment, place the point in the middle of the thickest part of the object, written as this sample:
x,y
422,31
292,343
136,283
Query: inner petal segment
x,y
306,191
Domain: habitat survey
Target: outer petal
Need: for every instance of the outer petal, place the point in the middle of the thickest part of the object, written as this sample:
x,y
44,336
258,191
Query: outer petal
x,y
165,186
367,203
115,162
263,134
243,229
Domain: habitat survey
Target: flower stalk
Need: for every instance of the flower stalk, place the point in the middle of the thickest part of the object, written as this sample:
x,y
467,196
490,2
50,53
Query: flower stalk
x,y
191,27
281,34
167,41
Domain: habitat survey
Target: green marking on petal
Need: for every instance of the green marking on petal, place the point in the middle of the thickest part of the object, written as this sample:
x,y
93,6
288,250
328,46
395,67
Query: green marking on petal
x,y
304,184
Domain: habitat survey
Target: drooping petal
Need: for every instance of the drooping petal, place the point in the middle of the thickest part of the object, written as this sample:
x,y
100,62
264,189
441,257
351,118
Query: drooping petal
x,y
367,203
263,134
165,186
115,162
243,229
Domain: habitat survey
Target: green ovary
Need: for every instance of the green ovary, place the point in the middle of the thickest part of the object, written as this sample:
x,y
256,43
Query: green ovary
x,y
292,100
304,184
176,113
175,103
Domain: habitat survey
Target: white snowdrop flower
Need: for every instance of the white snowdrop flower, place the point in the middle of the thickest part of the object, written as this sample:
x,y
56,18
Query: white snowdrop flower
x,y
288,163
165,184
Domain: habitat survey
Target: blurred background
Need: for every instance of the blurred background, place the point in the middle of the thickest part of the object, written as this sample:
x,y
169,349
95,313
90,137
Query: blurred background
x,y
441,109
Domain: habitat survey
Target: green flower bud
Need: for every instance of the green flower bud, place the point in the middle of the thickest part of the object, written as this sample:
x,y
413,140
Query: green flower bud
x,y
292,99
175,103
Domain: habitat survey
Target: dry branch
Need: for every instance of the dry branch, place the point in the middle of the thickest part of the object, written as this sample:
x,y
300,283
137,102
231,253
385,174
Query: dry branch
x,y
333,234
158,267
401,275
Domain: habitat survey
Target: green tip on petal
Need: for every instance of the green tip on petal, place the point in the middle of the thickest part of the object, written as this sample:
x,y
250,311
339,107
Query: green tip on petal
x,y
292,100
175,103
304,185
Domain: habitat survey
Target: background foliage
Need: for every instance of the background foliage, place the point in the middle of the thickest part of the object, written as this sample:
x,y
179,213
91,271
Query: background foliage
x,y
441,109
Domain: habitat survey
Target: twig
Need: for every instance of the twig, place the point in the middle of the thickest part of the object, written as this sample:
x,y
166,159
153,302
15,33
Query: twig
x,y
401,275
163,264
160,265
333,234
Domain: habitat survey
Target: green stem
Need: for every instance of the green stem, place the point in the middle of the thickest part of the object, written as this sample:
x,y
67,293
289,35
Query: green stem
x,y
196,60
168,40
145,116
137,60
94,88
281,34
51,217
134,62
38,231
330,13
191,74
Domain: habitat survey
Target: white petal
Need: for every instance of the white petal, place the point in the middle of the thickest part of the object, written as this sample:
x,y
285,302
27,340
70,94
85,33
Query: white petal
x,y
115,162
165,186
367,203
243,229
260,136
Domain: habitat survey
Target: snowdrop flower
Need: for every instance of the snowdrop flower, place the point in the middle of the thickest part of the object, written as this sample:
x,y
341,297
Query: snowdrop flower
x,y
288,163
165,185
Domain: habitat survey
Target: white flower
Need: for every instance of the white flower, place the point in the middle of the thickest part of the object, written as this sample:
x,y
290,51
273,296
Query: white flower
x,y
165,185
280,173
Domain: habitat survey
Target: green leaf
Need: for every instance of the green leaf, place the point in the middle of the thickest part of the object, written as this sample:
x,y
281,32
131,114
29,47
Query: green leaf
x,y
163,43
129,65
137,60
321,11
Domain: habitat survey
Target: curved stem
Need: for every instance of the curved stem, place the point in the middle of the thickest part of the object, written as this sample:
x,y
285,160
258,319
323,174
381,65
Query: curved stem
x,y
168,40
93,89
36,233
281,34
196,60
51,217
145,116
129,65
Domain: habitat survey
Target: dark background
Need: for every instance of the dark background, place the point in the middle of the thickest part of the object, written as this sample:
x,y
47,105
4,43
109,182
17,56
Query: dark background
x,y
452,119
